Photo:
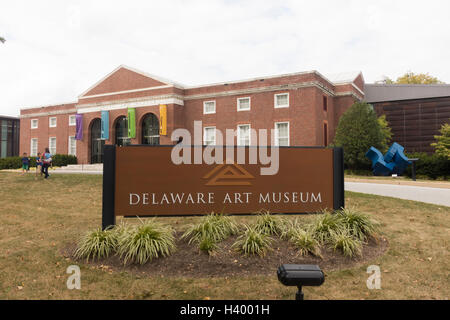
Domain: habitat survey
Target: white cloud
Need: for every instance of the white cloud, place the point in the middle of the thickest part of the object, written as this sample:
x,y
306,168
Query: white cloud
x,y
57,49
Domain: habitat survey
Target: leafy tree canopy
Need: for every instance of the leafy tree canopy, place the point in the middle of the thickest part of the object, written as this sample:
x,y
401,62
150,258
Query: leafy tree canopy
x,y
357,131
442,145
414,78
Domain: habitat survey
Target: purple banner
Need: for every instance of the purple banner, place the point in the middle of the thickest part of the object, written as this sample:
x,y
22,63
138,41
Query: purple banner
x,y
79,127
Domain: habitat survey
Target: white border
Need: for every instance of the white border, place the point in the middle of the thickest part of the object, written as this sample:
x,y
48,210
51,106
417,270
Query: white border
x,y
50,122
275,100
249,103
75,120
204,107
68,146
37,124
249,134
31,147
277,133
49,144
204,134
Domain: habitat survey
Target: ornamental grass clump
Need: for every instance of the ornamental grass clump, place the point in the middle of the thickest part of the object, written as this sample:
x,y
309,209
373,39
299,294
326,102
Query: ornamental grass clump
x,y
97,244
212,229
305,242
269,224
359,225
324,225
252,241
145,242
345,242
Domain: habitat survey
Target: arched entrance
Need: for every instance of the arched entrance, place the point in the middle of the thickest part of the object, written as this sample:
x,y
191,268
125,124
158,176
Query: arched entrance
x,y
97,144
121,130
150,129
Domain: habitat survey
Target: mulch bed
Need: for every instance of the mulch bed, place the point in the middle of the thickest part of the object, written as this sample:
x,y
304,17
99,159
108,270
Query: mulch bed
x,y
188,261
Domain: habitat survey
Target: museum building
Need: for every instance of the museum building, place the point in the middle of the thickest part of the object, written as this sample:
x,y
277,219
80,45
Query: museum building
x,y
129,106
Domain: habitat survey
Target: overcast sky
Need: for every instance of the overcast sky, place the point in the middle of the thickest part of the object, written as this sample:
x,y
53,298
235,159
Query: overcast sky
x,y
55,50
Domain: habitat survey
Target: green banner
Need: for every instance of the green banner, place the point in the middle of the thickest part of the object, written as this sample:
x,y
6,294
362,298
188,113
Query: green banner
x,y
131,118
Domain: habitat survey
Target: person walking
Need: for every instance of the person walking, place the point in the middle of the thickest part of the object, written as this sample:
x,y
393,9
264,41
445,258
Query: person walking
x,y
25,163
46,162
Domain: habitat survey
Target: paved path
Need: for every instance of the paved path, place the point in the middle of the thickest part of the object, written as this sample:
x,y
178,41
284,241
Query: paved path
x,y
440,196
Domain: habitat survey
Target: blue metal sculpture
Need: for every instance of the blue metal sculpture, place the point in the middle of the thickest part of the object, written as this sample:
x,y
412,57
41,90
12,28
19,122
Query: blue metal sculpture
x,y
394,161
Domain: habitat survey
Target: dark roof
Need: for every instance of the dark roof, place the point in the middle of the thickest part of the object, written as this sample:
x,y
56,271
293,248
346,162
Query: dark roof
x,y
395,92
9,117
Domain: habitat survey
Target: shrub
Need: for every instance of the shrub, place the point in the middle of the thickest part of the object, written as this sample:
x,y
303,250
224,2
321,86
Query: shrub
x,y
442,144
359,225
324,225
97,244
252,242
357,131
431,166
208,245
306,242
289,227
213,226
145,242
345,242
61,160
269,224
58,160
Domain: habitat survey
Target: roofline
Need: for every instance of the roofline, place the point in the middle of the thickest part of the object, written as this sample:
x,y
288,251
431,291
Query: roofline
x,y
49,105
145,74
410,99
9,117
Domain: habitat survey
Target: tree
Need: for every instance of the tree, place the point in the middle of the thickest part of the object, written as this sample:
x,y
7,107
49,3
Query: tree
x,y
386,133
442,145
2,40
413,78
357,131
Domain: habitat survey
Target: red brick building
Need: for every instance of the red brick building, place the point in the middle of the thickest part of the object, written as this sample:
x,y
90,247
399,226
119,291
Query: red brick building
x,y
303,108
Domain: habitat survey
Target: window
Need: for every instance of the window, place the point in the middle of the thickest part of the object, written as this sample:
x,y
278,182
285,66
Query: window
x,y
72,120
52,122
34,147
209,107
243,104
243,135
52,145
34,123
325,103
72,146
209,135
282,100
325,134
282,134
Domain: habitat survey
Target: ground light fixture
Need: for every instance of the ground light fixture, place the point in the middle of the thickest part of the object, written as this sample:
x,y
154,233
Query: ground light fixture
x,y
300,275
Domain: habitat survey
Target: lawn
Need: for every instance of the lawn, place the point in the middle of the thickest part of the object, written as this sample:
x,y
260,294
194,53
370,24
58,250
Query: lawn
x,y
39,218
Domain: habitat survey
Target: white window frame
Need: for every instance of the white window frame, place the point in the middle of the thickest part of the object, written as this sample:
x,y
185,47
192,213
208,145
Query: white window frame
x,y
204,107
50,145
204,135
70,146
275,100
74,123
277,137
50,122
37,123
32,153
239,134
249,104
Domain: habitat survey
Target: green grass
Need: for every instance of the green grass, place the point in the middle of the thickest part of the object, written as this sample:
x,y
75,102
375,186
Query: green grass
x,y
37,226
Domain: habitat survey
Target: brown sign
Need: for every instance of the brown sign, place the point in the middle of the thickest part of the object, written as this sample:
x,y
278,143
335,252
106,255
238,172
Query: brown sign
x,y
144,181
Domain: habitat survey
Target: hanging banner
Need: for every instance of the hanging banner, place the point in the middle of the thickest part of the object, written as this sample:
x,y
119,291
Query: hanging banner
x,y
105,126
131,118
162,120
79,127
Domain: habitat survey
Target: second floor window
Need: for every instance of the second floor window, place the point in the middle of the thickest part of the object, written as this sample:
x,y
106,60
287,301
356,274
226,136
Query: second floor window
x,y
209,107
243,104
282,100
52,122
